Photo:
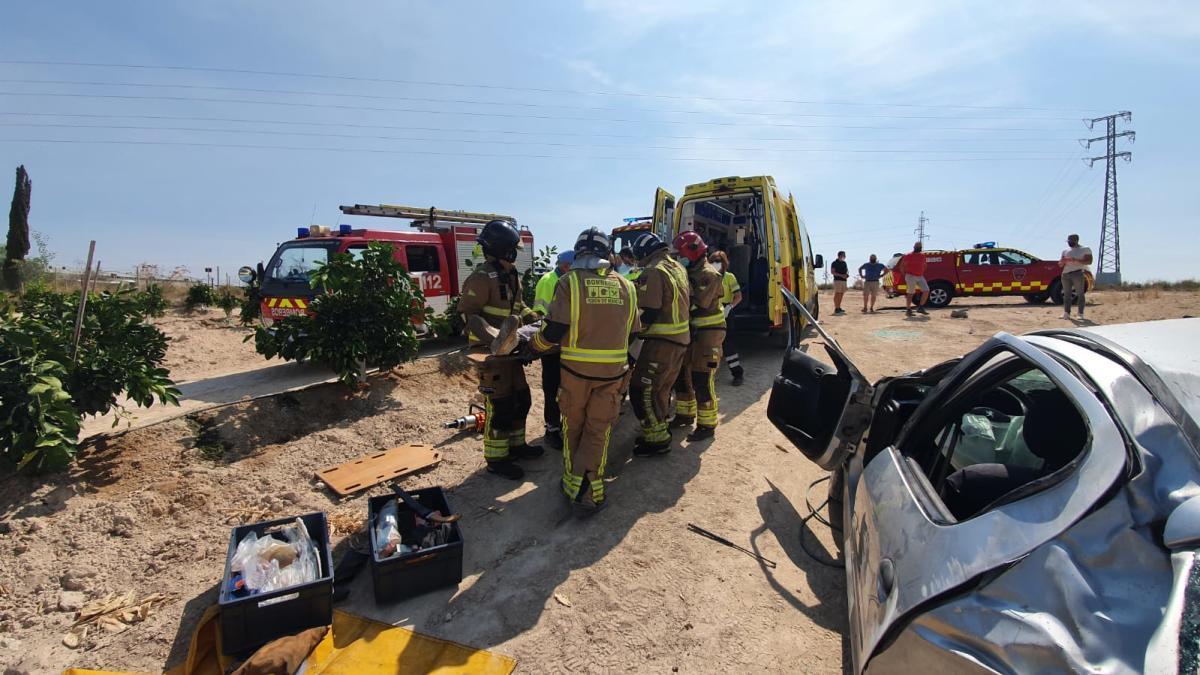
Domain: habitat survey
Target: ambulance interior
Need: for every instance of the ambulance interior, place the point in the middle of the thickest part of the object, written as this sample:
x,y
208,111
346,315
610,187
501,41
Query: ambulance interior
x,y
737,225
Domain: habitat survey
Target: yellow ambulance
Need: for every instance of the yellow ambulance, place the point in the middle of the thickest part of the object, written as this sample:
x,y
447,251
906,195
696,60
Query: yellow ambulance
x,y
761,232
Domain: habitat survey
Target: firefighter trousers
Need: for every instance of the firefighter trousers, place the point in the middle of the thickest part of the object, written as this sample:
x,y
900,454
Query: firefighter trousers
x,y
506,402
589,410
695,386
550,384
650,389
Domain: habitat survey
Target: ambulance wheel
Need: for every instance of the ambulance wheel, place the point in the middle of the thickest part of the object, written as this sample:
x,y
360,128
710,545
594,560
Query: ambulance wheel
x,y
1056,295
940,294
1037,298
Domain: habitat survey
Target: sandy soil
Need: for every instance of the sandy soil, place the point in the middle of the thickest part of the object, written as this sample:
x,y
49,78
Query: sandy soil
x,y
150,510
205,344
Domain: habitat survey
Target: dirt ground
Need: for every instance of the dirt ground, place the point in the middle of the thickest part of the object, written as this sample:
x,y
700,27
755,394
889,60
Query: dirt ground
x,y
629,590
206,344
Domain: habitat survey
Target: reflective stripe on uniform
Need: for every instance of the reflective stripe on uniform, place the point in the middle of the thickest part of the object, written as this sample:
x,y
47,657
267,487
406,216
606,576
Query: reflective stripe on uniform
x,y
706,415
594,355
573,330
493,448
686,408
539,343
717,319
496,311
572,484
668,328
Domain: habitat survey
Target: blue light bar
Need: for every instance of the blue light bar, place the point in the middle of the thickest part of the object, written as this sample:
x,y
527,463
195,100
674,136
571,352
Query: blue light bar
x,y
301,232
986,244
344,229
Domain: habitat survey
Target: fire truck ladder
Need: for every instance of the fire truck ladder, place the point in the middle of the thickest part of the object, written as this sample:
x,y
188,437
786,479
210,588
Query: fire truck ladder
x,y
423,218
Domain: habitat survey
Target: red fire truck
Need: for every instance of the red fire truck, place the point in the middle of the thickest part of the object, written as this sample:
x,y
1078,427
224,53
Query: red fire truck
x,y
985,270
439,251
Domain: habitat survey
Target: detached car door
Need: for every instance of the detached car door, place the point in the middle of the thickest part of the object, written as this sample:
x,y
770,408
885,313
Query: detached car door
x,y
1003,455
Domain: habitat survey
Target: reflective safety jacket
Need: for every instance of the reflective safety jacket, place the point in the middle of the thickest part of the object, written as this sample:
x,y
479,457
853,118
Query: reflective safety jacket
x,y
599,310
731,287
663,285
493,293
708,286
543,293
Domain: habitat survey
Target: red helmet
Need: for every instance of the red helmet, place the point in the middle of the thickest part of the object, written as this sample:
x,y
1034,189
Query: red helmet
x,y
690,245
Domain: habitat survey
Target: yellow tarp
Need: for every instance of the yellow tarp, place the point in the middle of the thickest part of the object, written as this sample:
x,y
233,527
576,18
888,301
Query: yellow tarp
x,y
356,646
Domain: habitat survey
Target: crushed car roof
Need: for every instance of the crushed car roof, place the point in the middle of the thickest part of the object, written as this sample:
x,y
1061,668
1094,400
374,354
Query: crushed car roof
x,y
1169,348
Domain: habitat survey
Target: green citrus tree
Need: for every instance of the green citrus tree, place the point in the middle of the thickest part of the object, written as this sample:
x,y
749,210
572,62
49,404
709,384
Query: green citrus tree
x,y
362,315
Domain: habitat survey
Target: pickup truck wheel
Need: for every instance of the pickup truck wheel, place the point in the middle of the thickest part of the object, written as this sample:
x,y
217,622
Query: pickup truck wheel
x,y
837,492
940,294
1037,298
1056,294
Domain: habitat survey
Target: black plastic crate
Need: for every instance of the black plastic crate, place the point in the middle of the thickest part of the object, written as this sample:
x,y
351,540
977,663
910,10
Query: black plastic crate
x,y
415,573
254,620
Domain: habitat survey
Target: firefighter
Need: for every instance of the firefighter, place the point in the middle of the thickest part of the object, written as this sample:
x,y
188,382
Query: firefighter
x,y
695,385
592,316
663,298
543,296
731,297
490,295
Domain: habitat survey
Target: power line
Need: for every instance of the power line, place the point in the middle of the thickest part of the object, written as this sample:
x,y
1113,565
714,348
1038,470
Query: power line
x,y
352,125
500,142
478,154
519,104
474,113
1058,176
539,90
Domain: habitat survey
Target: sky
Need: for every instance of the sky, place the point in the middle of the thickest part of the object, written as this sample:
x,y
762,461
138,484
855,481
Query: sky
x,y
202,134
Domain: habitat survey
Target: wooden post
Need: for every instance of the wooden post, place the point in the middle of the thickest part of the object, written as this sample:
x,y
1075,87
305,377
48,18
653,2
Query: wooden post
x,y
96,276
82,301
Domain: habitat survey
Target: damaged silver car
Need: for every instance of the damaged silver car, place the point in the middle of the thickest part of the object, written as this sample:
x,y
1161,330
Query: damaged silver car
x,y
1033,506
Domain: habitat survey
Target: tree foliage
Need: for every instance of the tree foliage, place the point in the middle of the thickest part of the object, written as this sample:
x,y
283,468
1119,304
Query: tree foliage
x,y
44,390
251,308
151,301
362,314
227,301
543,262
199,295
17,244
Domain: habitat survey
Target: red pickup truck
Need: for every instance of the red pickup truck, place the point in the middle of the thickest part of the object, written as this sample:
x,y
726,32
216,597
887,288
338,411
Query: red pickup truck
x,y
984,270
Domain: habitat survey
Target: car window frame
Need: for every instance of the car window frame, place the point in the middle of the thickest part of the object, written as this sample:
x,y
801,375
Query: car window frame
x,y
974,374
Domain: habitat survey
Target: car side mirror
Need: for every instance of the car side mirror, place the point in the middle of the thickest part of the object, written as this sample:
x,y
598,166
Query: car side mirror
x,y
246,275
819,261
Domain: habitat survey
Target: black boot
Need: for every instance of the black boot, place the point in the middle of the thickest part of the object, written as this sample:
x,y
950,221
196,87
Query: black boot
x,y
526,451
506,468
587,510
702,433
739,376
644,449
680,421
554,438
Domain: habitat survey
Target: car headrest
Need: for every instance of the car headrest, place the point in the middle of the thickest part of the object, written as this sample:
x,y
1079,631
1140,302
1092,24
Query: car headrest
x,y
1054,430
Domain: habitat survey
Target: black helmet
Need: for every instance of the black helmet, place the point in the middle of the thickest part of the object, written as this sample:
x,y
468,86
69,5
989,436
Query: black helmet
x,y
646,244
500,239
592,242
